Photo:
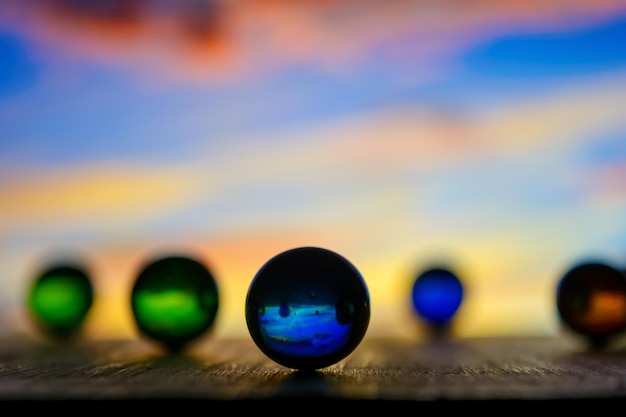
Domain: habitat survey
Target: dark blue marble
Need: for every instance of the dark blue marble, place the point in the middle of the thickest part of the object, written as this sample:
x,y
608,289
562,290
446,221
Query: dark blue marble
x,y
307,308
437,295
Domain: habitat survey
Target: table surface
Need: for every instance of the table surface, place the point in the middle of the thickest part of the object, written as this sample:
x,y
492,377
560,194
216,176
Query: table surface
x,y
389,371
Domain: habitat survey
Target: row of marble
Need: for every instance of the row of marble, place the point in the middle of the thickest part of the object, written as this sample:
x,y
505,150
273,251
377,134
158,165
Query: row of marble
x,y
306,308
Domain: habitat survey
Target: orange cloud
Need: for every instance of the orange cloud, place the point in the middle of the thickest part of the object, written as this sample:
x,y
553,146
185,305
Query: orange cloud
x,y
211,41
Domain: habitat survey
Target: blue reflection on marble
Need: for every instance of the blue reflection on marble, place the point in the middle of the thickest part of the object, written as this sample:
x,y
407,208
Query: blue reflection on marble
x,y
301,330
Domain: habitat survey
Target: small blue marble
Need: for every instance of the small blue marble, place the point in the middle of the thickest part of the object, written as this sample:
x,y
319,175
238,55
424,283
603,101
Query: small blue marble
x,y
437,295
307,308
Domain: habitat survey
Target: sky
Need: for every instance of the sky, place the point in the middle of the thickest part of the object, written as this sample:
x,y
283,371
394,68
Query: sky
x,y
487,135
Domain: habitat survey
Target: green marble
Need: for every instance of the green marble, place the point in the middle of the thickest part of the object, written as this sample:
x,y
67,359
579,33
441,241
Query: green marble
x,y
59,300
175,300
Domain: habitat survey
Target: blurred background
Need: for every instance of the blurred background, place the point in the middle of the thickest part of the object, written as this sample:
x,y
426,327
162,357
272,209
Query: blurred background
x,y
488,135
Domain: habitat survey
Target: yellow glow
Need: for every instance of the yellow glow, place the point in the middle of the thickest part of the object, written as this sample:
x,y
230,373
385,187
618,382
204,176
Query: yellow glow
x,y
91,192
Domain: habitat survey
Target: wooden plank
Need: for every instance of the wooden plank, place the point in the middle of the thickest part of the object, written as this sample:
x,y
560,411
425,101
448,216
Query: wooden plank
x,y
379,370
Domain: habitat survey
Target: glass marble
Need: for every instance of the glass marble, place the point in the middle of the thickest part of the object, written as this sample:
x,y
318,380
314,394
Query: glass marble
x,y
60,298
437,295
307,308
175,301
591,301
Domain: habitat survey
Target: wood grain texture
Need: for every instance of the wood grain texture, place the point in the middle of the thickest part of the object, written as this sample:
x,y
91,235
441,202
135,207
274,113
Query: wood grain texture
x,y
392,372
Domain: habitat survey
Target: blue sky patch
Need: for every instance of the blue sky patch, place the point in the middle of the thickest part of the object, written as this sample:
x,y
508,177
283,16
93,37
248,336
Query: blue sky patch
x,y
577,52
17,71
